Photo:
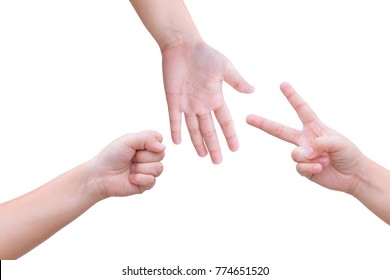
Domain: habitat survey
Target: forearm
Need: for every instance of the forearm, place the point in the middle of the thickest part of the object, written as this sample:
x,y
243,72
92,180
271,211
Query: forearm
x,y
168,21
373,190
27,221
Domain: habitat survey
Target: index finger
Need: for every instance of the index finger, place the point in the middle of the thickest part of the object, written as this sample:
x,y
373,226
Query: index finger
x,y
305,113
275,129
145,156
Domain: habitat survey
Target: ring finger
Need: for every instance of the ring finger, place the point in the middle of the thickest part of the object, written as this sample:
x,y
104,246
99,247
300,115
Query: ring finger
x,y
298,155
195,134
151,168
308,169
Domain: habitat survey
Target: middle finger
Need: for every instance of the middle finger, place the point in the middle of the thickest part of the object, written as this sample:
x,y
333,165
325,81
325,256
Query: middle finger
x,y
299,155
210,137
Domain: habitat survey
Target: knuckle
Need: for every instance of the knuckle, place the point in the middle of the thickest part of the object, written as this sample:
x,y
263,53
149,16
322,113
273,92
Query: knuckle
x,y
300,106
193,131
215,150
226,123
203,117
152,134
133,168
209,133
279,130
231,138
175,124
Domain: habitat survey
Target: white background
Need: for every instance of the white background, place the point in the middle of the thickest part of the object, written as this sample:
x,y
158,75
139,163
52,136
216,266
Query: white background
x,y
76,74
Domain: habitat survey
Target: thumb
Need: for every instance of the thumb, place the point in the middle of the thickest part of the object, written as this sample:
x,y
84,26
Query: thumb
x,y
235,80
325,144
147,140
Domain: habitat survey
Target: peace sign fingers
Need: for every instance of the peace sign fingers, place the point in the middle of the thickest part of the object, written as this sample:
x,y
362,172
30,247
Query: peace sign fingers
x,y
275,129
305,113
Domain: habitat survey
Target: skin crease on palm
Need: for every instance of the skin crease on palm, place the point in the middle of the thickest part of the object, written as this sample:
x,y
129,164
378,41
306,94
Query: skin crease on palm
x,y
193,80
193,74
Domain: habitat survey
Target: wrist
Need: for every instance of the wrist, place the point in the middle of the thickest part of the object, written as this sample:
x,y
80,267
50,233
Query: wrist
x,y
361,178
370,179
93,189
373,189
179,39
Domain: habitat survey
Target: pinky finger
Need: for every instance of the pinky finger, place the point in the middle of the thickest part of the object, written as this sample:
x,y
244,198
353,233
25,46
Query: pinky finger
x,y
309,169
142,180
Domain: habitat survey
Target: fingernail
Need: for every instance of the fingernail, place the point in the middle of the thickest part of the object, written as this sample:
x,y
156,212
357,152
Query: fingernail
x,y
160,145
309,153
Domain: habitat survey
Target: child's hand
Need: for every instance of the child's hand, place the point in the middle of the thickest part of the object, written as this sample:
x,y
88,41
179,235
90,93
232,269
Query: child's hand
x,y
129,165
193,76
323,155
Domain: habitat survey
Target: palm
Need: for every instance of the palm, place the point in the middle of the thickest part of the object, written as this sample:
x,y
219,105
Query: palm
x,y
193,79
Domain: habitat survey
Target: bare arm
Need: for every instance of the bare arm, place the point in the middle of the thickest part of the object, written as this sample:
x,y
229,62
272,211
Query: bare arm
x,y
27,221
127,166
168,21
374,189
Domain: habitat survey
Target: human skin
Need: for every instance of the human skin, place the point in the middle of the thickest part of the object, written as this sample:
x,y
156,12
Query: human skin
x,y
193,74
127,166
329,159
